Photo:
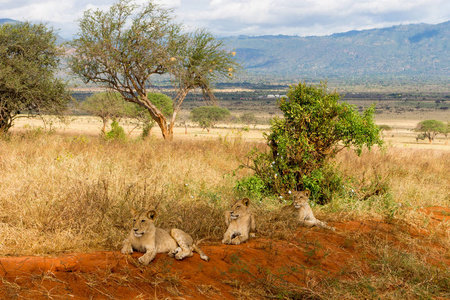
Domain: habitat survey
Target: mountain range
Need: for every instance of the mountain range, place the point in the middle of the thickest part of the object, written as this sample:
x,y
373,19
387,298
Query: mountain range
x,y
415,52
420,51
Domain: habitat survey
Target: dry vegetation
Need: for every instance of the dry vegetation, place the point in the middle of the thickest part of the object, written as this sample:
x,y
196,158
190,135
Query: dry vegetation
x,y
73,193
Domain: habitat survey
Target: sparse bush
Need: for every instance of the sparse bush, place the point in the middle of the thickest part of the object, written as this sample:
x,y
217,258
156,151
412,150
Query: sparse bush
x,y
385,127
248,119
116,133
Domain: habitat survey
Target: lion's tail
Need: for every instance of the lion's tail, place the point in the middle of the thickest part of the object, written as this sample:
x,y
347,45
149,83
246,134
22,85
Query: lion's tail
x,y
197,249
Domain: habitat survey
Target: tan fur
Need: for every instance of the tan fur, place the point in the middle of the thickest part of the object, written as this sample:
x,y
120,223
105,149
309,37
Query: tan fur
x,y
303,212
145,237
240,221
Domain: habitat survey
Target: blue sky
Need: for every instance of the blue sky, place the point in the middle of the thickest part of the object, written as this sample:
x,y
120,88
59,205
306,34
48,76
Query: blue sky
x,y
250,17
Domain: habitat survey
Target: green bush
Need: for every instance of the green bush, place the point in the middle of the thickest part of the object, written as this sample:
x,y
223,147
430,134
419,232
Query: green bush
x,y
251,186
314,128
116,132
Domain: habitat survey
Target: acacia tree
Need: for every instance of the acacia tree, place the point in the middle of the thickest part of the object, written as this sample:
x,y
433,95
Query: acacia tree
x,y
431,128
208,116
125,46
198,60
28,63
105,105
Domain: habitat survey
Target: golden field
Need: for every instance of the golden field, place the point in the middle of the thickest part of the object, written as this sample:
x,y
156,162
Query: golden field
x,y
70,191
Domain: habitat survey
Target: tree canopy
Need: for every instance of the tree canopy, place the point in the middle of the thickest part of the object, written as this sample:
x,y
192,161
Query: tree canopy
x,y
29,60
106,105
127,45
208,116
431,128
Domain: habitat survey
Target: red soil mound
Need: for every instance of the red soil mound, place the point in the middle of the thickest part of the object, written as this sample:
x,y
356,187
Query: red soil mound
x,y
303,260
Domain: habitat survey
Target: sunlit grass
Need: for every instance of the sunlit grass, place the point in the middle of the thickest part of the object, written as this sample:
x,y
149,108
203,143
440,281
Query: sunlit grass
x,y
74,193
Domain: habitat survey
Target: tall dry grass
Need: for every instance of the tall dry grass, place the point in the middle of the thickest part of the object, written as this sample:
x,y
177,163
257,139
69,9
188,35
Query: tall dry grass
x,y
62,193
415,178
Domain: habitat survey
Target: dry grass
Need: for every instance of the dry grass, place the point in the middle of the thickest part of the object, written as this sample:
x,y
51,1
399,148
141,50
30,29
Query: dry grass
x,y
78,190
74,193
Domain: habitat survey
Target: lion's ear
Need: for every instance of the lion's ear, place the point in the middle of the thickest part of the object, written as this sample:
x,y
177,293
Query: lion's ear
x,y
307,193
151,214
246,201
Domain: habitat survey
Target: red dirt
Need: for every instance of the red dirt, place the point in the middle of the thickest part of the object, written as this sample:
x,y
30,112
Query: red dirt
x,y
314,253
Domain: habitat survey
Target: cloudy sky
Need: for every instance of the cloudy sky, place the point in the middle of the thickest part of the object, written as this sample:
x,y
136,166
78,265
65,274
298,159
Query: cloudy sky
x,y
250,17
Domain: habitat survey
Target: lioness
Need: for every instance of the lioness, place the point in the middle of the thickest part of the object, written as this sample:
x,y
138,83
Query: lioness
x,y
239,220
145,237
300,207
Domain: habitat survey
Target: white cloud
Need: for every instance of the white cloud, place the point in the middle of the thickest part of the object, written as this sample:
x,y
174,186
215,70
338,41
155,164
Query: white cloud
x,y
251,17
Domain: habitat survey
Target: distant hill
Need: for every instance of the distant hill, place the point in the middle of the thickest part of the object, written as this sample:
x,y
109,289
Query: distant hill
x,y
2,21
59,39
409,51
417,52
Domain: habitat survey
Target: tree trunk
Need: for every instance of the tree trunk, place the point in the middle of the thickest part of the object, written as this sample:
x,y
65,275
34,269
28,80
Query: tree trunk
x,y
167,131
158,117
104,125
5,120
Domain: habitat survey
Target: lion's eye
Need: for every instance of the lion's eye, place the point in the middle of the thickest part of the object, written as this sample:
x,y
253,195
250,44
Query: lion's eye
x,y
238,206
142,221
134,220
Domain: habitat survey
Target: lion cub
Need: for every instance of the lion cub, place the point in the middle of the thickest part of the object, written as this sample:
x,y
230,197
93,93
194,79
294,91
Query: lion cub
x,y
239,220
304,214
145,237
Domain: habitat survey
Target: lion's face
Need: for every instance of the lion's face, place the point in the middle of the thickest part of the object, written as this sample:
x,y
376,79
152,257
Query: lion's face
x,y
143,222
300,198
239,208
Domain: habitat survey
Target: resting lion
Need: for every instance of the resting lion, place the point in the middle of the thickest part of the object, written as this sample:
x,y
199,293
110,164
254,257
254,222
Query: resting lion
x,y
304,214
240,221
145,237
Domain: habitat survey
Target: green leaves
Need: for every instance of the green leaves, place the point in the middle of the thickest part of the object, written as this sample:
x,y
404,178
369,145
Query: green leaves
x,y
314,128
28,62
431,128
208,116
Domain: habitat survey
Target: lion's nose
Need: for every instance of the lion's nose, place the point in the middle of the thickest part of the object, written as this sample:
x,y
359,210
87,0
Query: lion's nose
x,y
135,229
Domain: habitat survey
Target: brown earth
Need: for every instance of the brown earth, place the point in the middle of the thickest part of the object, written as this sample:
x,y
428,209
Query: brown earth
x,y
308,256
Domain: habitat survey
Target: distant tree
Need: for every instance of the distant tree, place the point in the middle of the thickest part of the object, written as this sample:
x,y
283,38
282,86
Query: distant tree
x,y
105,105
29,60
385,127
248,119
431,128
123,47
447,131
208,116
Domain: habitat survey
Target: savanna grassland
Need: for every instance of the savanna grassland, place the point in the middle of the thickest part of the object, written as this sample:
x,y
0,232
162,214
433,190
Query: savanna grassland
x,y
67,197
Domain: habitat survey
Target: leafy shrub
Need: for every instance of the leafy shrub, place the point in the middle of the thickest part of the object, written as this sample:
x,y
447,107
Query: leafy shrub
x,y
315,127
116,133
251,186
